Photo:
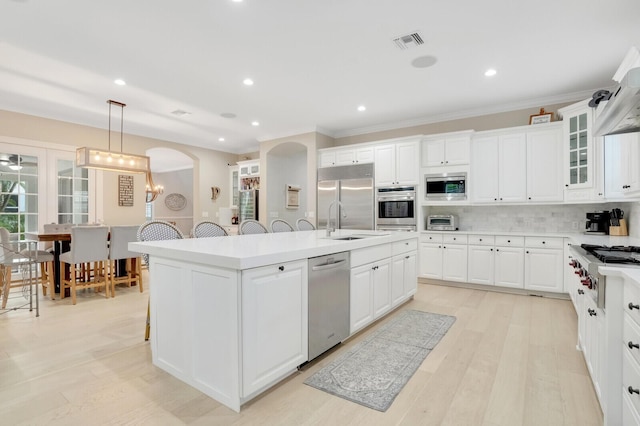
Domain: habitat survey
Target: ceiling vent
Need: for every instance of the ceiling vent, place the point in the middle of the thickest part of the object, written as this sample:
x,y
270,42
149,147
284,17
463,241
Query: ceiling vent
x,y
409,40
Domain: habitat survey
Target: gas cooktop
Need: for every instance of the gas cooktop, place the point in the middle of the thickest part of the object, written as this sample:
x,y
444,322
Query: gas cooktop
x,y
614,254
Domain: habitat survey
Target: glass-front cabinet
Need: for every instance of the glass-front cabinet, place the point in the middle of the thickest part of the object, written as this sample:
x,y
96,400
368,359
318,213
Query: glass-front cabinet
x,y
583,172
233,183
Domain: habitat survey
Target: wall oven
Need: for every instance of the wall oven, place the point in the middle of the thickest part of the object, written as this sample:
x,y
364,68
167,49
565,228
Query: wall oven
x,y
396,208
446,186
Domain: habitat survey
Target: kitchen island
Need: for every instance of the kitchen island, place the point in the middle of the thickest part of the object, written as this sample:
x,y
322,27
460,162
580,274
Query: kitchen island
x,y
229,314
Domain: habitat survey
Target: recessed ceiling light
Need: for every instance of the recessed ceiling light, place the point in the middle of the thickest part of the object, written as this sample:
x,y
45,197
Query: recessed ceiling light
x,y
362,108
490,72
424,61
220,139
228,115
120,82
255,123
180,113
247,82
237,1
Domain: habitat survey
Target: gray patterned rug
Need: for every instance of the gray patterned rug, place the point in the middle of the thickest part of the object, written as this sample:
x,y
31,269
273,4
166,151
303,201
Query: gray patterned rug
x,y
375,370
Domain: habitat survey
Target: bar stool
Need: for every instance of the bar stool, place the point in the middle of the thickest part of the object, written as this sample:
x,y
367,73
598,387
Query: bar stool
x,y
207,229
251,226
279,225
119,241
89,245
304,225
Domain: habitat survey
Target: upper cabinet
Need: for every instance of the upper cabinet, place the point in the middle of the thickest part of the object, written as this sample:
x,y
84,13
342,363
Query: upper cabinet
x,y
234,185
583,155
249,168
344,156
451,149
622,159
397,164
518,165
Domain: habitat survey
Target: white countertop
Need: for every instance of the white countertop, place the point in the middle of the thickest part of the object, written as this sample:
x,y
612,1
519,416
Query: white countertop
x,y
251,251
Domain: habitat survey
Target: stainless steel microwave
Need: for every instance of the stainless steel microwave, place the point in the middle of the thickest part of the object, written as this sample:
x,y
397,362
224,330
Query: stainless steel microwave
x,y
446,186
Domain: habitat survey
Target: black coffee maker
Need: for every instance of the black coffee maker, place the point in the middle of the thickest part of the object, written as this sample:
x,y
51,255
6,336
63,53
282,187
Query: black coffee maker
x,y
598,223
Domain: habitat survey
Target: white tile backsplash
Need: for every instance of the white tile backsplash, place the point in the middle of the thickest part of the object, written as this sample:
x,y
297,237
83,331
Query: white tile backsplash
x,y
546,219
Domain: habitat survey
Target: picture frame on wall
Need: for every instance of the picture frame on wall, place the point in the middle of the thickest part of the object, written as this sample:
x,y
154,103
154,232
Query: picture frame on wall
x,y
542,117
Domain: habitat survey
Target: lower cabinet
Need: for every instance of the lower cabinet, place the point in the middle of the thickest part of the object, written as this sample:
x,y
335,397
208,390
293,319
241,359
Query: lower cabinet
x,y
444,259
543,266
370,292
274,323
593,346
509,267
403,277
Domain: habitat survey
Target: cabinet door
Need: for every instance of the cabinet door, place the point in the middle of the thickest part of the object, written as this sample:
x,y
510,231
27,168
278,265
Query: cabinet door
x,y
481,265
614,167
410,274
543,270
457,151
234,183
381,288
274,323
364,155
361,312
385,165
632,140
407,166
544,166
327,158
244,171
512,168
454,262
397,280
345,157
431,260
254,169
433,153
509,267
484,187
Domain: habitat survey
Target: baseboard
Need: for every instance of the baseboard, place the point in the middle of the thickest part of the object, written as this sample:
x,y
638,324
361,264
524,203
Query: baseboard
x,y
497,289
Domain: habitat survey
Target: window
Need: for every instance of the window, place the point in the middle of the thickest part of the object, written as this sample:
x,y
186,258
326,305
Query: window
x,y
18,193
73,193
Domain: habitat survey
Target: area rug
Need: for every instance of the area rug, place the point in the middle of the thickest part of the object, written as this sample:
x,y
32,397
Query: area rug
x,y
375,370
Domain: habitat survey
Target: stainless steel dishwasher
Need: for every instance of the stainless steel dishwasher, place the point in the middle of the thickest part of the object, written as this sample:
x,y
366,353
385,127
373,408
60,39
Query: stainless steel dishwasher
x,y
328,302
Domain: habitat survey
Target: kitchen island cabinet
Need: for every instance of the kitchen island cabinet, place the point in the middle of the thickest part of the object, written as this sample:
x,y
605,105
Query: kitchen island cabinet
x,y
229,315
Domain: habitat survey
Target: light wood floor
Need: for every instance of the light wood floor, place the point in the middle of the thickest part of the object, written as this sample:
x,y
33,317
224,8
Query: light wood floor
x,y
507,360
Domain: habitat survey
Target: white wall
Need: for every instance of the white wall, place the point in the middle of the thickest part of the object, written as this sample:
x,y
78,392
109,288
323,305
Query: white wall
x,y
286,169
178,182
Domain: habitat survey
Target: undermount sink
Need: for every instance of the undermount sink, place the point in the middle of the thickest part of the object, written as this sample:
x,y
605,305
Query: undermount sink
x,y
347,238
355,237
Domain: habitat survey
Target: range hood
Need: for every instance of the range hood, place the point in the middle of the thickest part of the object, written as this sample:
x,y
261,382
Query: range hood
x,y
621,114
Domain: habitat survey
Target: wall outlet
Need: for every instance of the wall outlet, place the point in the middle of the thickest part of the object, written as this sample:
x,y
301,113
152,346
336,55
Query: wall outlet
x,y
575,225
205,214
273,214
311,214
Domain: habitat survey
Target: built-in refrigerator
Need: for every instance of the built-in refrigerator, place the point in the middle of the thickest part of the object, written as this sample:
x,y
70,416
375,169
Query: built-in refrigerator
x,y
248,205
353,186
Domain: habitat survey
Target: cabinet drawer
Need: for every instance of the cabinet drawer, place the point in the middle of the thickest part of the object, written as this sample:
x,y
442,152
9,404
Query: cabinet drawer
x,y
481,240
631,300
509,241
454,238
431,238
631,337
543,242
370,254
631,379
404,246
629,414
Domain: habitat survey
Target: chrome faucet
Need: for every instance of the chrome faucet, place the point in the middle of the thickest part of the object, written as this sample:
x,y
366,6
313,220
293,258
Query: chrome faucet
x,y
344,214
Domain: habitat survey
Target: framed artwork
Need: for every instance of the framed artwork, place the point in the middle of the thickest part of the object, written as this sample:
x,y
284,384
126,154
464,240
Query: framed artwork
x,y
125,190
542,117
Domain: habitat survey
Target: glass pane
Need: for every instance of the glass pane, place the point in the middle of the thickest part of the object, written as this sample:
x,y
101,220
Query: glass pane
x,y
573,158
573,176
583,139
80,218
583,174
31,223
81,173
81,204
28,203
29,164
29,184
65,205
7,180
80,185
583,157
10,221
64,186
573,124
583,121
65,168
573,141
9,203
65,218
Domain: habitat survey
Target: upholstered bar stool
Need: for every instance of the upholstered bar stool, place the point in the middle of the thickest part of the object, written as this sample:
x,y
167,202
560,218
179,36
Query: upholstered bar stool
x,y
88,246
119,241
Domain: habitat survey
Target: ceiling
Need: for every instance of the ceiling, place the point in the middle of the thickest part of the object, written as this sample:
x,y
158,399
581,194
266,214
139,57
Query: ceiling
x,y
313,62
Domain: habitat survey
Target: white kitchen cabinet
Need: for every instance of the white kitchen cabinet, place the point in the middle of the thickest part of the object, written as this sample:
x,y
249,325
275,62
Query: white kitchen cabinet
x,y
583,173
509,266
446,150
397,164
248,168
594,329
454,262
346,156
431,260
274,341
499,168
622,166
481,263
544,267
370,292
234,183
544,165
327,158
403,277
446,260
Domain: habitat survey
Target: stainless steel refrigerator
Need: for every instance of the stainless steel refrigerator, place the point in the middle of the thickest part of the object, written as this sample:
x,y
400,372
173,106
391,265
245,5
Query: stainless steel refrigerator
x,y
353,186
248,205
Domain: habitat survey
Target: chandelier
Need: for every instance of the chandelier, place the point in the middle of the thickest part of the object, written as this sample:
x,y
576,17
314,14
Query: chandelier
x,y
92,158
152,190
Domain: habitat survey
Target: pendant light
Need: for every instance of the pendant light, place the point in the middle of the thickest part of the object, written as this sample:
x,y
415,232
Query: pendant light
x,y
152,190
93,158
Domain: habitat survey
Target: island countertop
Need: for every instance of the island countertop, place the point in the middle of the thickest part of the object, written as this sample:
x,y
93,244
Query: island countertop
x,y
255,250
